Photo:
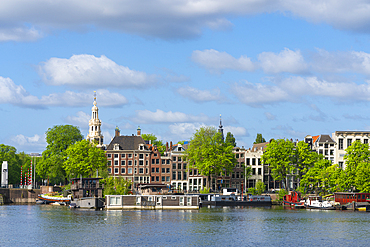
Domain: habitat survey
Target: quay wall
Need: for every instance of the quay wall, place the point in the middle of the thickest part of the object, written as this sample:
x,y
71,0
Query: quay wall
x,y
19,195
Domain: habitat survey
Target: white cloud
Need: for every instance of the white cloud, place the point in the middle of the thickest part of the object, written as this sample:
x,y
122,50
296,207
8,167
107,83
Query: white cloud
x,y
81,119
184,130
286,61
90,71
270,116
169,19
34,143
17,95
201,95
289,133
216,61
159,116
19,34
236,131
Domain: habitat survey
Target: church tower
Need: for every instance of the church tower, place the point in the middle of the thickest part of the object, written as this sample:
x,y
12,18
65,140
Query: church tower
x,y
95,126
220,129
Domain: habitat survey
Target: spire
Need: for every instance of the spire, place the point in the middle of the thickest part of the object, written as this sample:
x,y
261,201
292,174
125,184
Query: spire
x,y
95,134
220,129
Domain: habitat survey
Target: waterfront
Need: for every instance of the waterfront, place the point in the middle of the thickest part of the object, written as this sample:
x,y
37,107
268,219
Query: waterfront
x,y
31,225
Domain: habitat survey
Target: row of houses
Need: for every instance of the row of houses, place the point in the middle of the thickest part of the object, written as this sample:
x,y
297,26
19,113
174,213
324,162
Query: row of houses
x,y
134,159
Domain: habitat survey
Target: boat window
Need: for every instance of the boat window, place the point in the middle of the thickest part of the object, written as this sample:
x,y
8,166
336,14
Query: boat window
x,y
363,196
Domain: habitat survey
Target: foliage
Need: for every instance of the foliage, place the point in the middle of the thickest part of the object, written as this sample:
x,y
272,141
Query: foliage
x,y
314,179
59,138
362,180
116,186
259,139
260,187
84,158
209,154
9,154
281,194
252,191
247,172
279,155
154,140
304,158
204,191
230,139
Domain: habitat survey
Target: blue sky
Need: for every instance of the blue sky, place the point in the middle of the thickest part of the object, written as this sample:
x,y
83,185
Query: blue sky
x,y
281,68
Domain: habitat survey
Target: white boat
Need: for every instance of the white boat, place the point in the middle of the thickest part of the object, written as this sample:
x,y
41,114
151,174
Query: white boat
x,y
316,202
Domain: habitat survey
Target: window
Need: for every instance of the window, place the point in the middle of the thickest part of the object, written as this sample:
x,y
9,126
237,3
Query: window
x,y
242,155
155,155
141,162
349,142
237,174
123,163
195,172
146,170
141,170
116,156
157,179
190,172
340,163
179,166
248,162
163,179
320,151
259,161
109,163
233,175
326,152
163,170
174,158
157,169
167,162
174,175
123,155
184,176
109,155
157,161
153,169
123,170
130,155
253,161
141,147
173,166
153,161
179,175
129,170
130,162
135,170
109,170
167,170
179,159
366,141
331,151
153,178
326,145
253,171
237,156
135,162
141,156
167,179
340,144
115,170
259,171
163,162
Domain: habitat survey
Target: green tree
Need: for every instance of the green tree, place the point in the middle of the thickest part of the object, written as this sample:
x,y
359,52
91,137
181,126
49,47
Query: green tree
x,y
331,178
59,138
209,154
259,139
362,180
313,179
84,158
9,154
230,139
304,158
154,140
116,186
279,155
260,187
356,154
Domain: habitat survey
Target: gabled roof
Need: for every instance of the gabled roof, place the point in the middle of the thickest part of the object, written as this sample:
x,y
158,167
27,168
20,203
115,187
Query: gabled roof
x,y
258,146
324,138
314,138
127,143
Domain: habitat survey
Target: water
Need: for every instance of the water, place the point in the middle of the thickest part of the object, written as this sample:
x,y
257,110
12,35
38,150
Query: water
x,y
44,225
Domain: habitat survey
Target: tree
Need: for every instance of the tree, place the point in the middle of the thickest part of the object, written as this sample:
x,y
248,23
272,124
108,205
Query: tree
x,y
59,138
279,156
356,154
9,154
116,186
304,158
314,178
84,158
209,154
260,187
154,140
259,139
230,139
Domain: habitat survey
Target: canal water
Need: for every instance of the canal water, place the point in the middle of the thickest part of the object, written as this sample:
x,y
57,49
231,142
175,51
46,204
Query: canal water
x,y
44,225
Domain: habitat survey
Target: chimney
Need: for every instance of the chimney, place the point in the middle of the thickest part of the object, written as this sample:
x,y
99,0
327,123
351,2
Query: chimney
x,y
138,133
171,145
116,132
166,146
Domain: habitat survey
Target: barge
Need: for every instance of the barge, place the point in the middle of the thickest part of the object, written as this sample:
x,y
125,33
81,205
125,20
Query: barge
x,y
235,200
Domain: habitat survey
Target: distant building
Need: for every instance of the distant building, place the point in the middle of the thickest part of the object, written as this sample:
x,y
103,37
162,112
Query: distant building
x,y
95,134
322,144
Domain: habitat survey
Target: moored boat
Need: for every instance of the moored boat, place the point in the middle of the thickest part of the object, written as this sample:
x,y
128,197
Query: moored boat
x,y
54,198
293,200
316,202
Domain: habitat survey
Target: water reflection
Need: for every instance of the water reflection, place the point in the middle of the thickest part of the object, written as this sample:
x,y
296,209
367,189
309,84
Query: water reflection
x,y
29,225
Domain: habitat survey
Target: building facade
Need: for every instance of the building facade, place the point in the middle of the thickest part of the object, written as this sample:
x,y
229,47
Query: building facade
x,y
95,134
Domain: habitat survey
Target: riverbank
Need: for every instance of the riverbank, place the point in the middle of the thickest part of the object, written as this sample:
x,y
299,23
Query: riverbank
x,y
11,195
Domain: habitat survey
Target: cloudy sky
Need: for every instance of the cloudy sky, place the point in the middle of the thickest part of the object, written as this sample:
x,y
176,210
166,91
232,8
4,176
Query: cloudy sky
x,y
285,69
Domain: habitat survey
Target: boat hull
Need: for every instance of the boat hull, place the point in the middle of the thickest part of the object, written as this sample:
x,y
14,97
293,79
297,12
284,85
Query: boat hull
x,y
294,204
49,199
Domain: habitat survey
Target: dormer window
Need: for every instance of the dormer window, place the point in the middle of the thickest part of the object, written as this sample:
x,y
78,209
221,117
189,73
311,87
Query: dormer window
x,y
141,147
116,147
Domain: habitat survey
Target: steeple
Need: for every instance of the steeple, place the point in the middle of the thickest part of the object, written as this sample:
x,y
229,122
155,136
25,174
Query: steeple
x,y
220,129
95,125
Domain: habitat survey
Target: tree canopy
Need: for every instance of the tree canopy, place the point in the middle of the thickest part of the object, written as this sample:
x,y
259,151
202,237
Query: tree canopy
x,y
84,158
59,138
209,154
259,139
230,139
154,140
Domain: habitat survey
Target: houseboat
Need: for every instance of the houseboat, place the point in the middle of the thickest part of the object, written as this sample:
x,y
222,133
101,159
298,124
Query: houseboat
x,y
235,200
316,202
294,200
87,193
152,202
349,197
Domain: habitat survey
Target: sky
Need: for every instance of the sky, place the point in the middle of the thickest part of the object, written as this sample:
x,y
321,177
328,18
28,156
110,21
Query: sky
x,y
285,69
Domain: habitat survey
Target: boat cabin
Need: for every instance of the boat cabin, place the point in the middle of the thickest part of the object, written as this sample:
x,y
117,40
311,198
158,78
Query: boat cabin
x,y
348,197
153,189
293,197
86,187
